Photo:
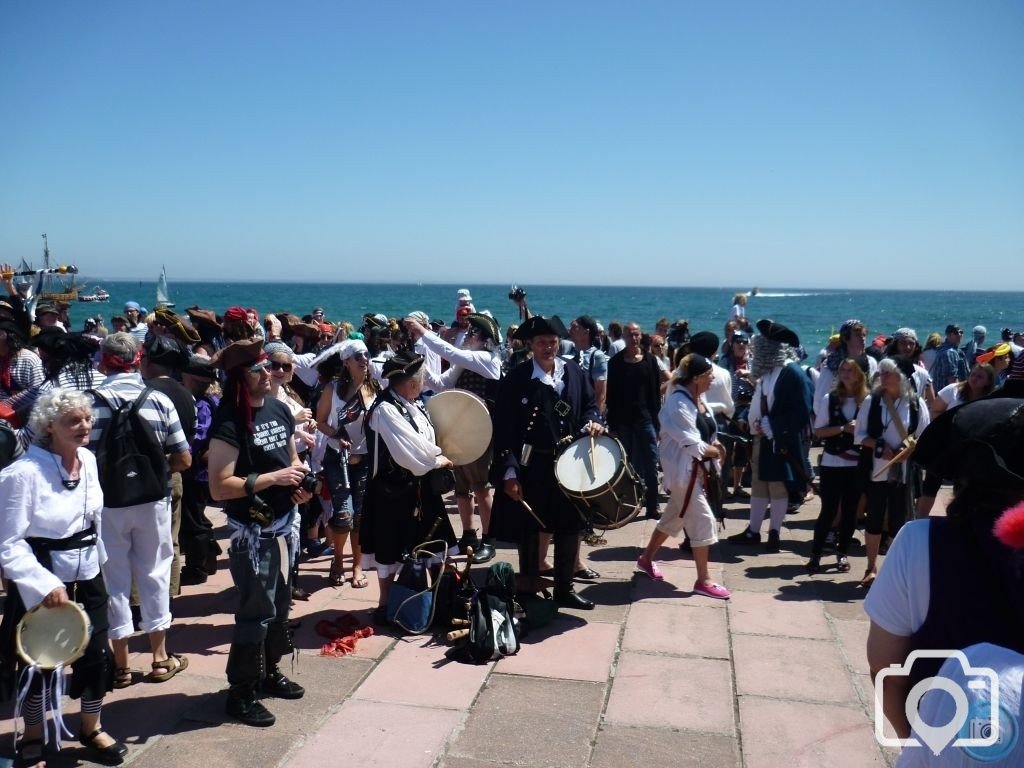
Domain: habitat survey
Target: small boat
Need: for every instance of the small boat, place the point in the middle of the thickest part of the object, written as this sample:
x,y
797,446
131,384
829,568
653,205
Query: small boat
x,y
99,295
163,298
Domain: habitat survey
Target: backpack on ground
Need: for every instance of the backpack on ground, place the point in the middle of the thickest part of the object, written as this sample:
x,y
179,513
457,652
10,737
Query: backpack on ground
x,y
131,461
493,627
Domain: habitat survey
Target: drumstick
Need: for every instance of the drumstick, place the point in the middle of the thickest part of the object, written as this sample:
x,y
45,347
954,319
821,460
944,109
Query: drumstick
x,y
456,634
593,469
534,514
460,622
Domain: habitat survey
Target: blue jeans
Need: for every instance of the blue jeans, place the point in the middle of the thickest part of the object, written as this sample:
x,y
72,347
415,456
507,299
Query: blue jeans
x,y
641,444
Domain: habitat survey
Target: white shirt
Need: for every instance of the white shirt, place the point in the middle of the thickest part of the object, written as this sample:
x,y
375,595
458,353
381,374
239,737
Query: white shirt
x,y
890,433
898,600
483,362
33,502
950,395
719,394
414,450
553,380
821,417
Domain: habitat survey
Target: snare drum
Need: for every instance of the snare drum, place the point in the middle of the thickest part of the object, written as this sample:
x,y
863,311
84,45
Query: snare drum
x,y
47,637
595,474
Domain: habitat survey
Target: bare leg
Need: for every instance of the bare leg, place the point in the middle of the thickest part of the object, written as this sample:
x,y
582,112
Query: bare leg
x,y
484,502
338,539
157,644
654,544
545,544
700,559
357,557
874,542
120,649
465,507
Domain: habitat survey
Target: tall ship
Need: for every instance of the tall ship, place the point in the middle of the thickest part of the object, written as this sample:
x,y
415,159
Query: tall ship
x,y
57,283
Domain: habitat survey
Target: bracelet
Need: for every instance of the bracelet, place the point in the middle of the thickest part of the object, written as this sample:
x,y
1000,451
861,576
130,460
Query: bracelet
x,y
879,449
250,483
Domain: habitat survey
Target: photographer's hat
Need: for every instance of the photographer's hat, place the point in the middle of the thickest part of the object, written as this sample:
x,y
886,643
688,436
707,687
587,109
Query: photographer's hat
x,y
538,325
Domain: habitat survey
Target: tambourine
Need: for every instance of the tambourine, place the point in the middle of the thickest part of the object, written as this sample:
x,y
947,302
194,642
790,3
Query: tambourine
x,y
48,637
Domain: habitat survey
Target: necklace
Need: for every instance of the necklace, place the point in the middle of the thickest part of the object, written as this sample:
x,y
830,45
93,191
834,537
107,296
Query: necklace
x,y
68,482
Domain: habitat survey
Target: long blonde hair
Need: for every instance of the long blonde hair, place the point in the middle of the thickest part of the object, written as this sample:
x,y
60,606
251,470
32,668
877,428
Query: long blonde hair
x,y
860,389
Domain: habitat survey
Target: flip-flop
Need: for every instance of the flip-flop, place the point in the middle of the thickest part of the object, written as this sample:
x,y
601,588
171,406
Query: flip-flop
x,y
360,582
173,664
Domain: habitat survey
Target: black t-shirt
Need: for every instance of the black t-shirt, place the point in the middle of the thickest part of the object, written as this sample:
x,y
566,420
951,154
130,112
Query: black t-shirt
x,y
269,449
183,401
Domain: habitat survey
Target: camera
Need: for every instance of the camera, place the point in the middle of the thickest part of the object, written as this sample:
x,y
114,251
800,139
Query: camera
x,y
516,293
261,512
679,334
310,483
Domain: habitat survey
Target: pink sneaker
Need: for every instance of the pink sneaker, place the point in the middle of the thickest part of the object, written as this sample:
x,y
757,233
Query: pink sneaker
x,y
650,568
711,589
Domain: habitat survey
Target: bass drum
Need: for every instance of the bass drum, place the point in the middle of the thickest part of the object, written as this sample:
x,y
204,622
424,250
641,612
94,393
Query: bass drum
x,y
596,476
462,424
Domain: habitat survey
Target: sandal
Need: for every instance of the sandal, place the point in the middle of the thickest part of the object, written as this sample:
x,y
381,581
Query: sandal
x,y
112,754
172,665
337,574
868,580
123,677
359,581
29,752
842,564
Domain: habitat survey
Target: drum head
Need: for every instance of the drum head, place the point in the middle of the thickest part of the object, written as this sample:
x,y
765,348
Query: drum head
x,y
50,636
462,424
576,473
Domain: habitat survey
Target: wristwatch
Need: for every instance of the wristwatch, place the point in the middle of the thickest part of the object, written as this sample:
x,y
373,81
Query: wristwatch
x,y
879,449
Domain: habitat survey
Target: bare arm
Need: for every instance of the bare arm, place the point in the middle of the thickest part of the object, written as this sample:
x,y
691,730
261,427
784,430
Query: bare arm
x,y
884,649
179,462
225,485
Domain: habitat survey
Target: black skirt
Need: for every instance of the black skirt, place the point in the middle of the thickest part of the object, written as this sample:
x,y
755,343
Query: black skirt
x,y
396,519
93,673
509,519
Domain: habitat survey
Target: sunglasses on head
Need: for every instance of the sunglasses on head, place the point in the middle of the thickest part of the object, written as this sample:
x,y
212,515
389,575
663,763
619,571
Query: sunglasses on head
x,y
276,366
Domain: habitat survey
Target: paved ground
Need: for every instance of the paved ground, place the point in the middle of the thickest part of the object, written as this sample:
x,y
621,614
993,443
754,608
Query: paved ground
x,y
655,676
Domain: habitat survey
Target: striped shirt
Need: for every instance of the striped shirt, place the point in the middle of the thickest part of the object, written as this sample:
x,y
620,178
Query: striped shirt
x,y
157,410
26,370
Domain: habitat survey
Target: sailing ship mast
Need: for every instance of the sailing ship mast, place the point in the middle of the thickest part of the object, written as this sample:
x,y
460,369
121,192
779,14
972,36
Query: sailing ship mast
x,y
53,287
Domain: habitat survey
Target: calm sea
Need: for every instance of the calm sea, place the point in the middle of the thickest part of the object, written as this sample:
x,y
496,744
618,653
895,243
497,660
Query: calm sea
x,y
813,314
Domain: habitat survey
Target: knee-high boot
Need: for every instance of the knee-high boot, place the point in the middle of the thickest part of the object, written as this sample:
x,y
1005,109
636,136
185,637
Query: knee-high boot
x,y
276,646
529,562
245,672
565,565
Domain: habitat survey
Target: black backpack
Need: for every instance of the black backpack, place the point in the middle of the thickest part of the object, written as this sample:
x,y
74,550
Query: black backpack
x,y
131,461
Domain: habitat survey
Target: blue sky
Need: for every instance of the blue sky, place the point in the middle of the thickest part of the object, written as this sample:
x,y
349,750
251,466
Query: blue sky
x,y
858,144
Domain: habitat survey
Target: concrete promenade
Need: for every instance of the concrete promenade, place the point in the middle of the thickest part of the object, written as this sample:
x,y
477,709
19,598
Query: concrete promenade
x,y
654,677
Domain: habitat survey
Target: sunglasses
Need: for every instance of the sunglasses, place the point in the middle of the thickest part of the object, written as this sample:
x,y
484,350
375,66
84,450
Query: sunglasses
x,y
740,341
275,366
360,356
258,368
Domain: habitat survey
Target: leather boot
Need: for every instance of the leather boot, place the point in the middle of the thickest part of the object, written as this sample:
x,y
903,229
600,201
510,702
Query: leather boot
x,y
277,645
485,552
565,565
529,564
245,671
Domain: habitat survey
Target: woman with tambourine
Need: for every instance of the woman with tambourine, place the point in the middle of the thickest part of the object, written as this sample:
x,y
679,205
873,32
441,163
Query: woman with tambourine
x,y
690,457
50,508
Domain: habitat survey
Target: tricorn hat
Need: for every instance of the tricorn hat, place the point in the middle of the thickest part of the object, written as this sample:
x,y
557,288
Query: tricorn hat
x,y
401,366
538,325
166,351
200,367
777,332
237,353
186,334
704,343
205,317
485,324
981,442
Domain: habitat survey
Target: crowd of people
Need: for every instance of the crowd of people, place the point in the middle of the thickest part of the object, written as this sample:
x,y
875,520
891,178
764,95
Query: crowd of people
x,y
313,437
